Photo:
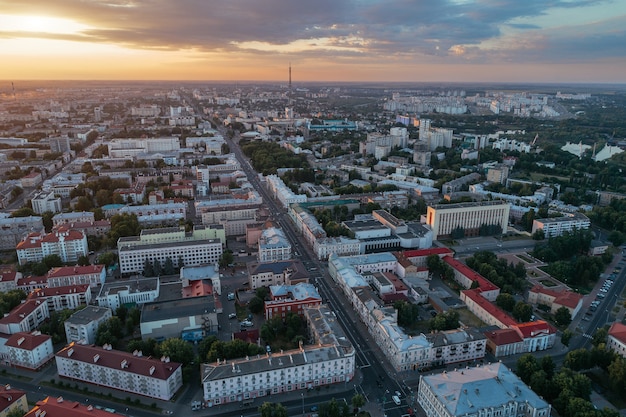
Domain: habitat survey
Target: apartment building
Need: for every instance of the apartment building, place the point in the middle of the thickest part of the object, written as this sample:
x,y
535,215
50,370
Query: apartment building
x,y
68,244
81,327
30,350
126,372
617,339
556,226
93,275
72,217
330,361
136,291
61,298
26,317
46,201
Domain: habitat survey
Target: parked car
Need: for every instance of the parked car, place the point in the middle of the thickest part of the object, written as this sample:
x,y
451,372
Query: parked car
x,y
232,316
231,296
246,323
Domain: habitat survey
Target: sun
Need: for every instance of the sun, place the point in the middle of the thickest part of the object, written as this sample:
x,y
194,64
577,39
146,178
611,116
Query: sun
x,y
39,24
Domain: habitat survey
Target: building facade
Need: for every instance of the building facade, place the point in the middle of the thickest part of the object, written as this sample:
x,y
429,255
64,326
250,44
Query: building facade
x,y
444,219
488,390
29,350
83,324
127,372
68,244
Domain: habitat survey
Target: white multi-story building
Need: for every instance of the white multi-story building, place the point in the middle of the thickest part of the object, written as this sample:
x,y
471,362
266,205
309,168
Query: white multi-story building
x,y
487,390
340,245
127,372
556,226
82,326
283,193
186,253
203,245
443,219
137,291
331,360
274,245
29,350
26,317
46,201
119,148
61,276
8,279
61,298
68,244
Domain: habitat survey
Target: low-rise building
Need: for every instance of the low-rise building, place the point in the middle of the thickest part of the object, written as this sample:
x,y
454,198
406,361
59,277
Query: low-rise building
x,y
9,278
72,217
274,245
127,372
12,400
136,291
263,274
285,299
82,326
59,407
556,299
488,390
617,339
330,360
165,319
30,350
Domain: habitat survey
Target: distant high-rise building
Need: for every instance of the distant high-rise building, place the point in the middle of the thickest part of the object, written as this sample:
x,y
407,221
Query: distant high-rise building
x,y
97,114
60,144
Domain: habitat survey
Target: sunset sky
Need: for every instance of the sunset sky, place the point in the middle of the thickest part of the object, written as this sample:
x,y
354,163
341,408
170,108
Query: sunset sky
x,y
325,40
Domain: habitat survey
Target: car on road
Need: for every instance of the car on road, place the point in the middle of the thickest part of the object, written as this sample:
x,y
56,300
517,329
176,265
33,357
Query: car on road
x,y
246,323
231,296
232,316
314,408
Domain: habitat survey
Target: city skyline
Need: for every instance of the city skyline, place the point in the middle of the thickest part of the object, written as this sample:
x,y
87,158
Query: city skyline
x,y
573,41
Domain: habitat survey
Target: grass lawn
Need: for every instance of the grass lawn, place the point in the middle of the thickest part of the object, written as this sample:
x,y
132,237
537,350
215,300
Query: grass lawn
x,y
525,259
547,283
469,319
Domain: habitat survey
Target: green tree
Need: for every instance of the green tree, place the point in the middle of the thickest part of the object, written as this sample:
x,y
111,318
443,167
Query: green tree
x,y
52,261
600,336
83,261
16,412
522,312
23,212
226,259
268,409
566,336
505,302
107,258
526,366
562,316
10,299
357,401
168,268
177,350
256,305
46,218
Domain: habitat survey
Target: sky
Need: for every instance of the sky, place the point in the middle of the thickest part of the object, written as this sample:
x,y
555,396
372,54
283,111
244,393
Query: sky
x,y
544,41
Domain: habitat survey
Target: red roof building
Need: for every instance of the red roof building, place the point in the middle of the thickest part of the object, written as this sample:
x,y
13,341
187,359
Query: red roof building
x,y
58,407
12,399
25,318
120,370
617,339
94,275
556,299
60,298
29,350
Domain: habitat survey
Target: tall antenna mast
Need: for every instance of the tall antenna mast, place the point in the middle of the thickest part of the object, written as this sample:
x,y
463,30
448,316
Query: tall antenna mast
x,y
290,77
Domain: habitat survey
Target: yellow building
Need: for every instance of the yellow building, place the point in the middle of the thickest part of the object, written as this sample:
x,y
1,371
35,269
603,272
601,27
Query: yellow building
x,y
444,218
12,399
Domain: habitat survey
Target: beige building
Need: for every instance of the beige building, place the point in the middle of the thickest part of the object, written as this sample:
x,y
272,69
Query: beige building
x,y
443,219
12,399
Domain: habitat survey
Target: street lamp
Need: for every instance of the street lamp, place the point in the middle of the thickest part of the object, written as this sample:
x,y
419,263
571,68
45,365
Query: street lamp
x,y
302,395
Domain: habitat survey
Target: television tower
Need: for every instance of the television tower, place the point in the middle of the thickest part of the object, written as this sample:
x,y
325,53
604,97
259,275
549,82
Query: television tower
x,y
290,77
